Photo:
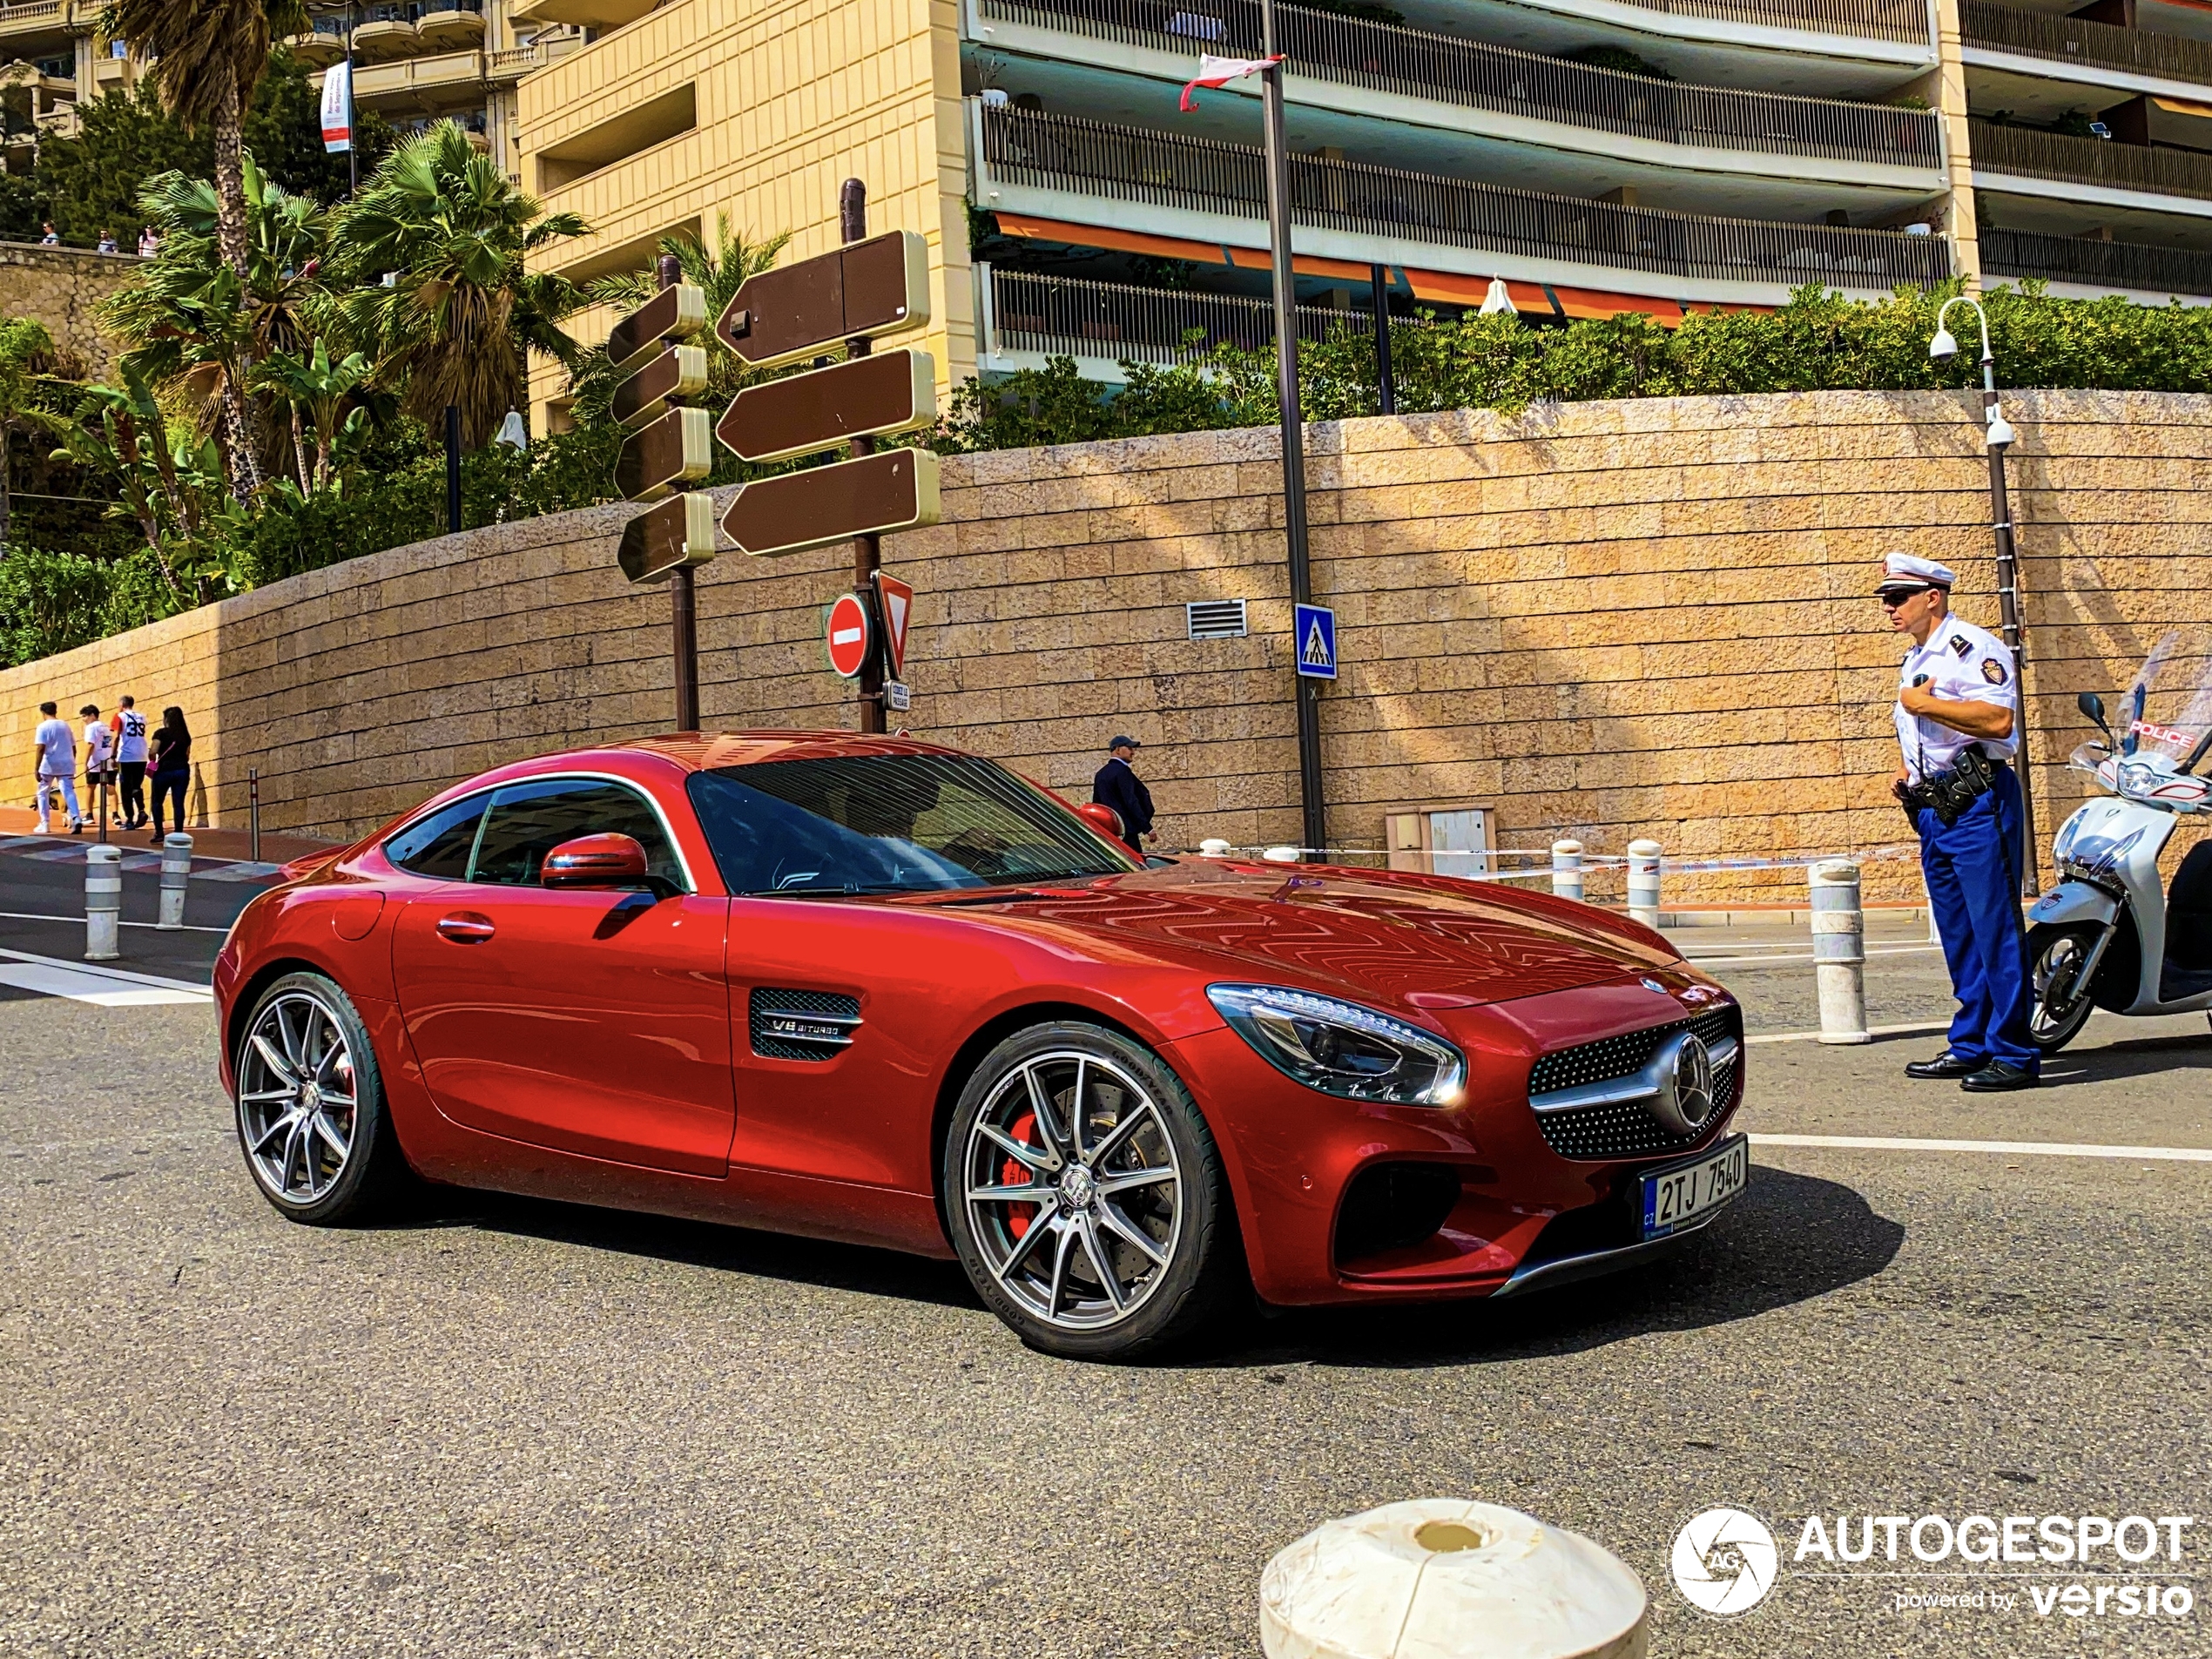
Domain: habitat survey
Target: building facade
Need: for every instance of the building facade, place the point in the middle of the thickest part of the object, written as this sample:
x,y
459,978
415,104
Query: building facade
x,y
1597,155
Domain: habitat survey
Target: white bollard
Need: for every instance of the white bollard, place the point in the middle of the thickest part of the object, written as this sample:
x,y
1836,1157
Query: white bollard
x,y
1213,847
1454,1580
175,870
1566,869
103,902
1839,951
1281,855
1644,882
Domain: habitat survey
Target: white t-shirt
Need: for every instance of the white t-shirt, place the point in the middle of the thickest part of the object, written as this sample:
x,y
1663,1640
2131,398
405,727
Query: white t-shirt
x,y
57,748
99,742
1964,664
130,741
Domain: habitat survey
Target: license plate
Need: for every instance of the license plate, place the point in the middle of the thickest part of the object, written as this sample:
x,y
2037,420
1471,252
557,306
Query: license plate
x,y
1682,1193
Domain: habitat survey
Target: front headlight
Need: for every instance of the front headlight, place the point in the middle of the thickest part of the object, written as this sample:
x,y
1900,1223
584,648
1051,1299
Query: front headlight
x,y
1341,1048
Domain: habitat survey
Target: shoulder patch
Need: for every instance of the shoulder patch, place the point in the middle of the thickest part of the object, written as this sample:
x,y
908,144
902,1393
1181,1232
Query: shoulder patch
x,y
1992,671
1960,643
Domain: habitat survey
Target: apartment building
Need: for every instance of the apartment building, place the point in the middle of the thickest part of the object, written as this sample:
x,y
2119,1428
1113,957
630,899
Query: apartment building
x,y
51,59
1598,156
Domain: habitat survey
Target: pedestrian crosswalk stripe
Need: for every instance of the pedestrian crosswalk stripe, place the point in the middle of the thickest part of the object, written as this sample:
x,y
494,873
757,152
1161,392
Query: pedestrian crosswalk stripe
x,y
107,987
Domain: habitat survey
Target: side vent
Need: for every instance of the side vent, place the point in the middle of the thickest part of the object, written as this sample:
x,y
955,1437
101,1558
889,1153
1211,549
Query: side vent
x,y
802,1025
1215,619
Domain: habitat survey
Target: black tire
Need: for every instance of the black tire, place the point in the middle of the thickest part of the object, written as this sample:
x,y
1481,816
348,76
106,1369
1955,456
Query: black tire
x,y
281,1128
1144,1153
2060,1003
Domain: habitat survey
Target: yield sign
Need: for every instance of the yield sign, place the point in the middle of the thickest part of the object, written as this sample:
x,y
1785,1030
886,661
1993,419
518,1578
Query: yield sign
x,y
846,625
897,604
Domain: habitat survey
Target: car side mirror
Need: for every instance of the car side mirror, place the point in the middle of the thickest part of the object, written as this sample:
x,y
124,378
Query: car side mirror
x,y
1103,819
592,862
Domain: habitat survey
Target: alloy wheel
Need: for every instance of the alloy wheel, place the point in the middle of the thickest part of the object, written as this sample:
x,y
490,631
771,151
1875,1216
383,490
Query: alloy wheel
x,y
299,1104
1074,1193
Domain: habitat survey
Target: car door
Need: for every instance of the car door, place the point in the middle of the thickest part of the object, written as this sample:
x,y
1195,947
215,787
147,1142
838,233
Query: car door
x,y
595,1023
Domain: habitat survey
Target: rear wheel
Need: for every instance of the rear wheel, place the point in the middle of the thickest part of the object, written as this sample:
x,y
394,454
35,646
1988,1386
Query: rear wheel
x,y
311,1116
2058,960
1086,1197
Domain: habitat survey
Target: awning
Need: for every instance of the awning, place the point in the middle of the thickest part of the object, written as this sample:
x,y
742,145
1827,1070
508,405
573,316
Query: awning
x,y
2184,106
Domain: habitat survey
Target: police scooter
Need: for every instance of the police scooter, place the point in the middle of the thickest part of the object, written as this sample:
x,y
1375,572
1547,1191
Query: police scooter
x,y
2107,937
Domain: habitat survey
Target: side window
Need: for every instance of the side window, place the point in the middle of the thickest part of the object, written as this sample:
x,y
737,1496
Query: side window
x,y
528,821
440,844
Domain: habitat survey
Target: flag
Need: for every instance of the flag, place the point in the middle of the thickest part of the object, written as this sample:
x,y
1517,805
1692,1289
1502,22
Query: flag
x,y
1219,71
338,105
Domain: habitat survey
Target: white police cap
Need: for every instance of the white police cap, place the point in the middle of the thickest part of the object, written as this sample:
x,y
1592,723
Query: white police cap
x,y
1903,570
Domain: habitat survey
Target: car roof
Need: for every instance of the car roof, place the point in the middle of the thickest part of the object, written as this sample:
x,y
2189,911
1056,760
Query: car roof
x,y
709,750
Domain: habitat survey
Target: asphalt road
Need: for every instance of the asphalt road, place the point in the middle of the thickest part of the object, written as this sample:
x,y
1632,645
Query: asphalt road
x,y
520,1428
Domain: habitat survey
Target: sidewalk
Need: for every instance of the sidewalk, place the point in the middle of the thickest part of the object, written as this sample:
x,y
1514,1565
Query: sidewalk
x,y
205,843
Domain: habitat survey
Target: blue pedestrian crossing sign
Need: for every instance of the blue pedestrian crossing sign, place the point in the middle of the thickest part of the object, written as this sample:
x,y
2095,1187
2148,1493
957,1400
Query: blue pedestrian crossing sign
x,y
1314,627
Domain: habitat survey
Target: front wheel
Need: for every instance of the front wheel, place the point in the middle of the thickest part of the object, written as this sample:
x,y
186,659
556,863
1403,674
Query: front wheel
x,y
311,1116
1086,1197
2058,962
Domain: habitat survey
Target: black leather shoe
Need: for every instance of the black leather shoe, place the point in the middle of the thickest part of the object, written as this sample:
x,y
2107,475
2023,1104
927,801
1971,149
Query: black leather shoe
x,y
1945,1065
1997,1076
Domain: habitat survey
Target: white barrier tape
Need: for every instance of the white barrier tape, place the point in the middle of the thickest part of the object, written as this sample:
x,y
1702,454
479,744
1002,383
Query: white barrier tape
x,y
1590,861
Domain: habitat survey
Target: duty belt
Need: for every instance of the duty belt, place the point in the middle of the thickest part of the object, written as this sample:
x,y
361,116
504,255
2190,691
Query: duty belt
x,y
1950,792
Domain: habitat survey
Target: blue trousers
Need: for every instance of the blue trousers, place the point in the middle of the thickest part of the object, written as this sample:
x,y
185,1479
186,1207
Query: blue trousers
x,y
1973,875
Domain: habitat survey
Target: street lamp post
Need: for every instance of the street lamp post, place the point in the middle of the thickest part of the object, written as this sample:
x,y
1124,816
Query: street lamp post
x,y
1278,231
2001,435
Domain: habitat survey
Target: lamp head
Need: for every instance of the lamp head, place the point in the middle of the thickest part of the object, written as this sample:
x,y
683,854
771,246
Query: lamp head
x,y
1943,346
2000,429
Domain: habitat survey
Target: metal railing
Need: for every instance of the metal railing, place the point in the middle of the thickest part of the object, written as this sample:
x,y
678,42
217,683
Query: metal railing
x,y
2076,40
1076,317
2031,152
2078,259
1882,19
1201,175
28,11
1416,64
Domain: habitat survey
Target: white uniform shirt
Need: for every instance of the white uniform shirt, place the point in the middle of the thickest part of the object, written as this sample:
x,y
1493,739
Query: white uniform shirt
x,y
1964,664
130,738
97,742
56,749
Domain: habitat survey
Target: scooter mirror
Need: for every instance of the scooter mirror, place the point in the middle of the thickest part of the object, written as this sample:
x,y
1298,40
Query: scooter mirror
x,y
2093,705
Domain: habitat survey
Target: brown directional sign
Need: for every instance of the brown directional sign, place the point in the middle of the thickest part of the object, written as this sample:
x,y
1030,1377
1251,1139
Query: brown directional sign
x,y
878,287
679,372
662,539
676,448
868,397
873,496
673,314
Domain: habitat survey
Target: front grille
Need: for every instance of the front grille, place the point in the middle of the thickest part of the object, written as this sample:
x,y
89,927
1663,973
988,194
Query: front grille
x,y
802,1025
1626,1130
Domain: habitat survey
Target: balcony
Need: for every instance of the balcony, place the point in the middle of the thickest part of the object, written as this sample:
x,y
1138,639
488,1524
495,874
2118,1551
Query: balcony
x,y
388,32
2076,40
1073,317
24,20
1880,19
582,14
1202,183
451,25
1411,63
420,83
2030,152
321,46
2122,267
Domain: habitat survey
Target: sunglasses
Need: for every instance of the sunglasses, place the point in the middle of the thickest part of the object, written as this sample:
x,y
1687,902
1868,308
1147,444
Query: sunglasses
x,y
1892,597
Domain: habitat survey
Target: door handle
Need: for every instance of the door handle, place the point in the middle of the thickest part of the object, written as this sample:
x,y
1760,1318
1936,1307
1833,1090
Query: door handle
x,y
466,928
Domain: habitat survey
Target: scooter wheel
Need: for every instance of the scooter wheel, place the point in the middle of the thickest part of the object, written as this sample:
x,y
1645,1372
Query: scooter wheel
x,y
2056,957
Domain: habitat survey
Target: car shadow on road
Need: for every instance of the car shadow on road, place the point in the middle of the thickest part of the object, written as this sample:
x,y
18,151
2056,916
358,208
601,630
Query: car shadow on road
x,y
1789,1238
2118,1062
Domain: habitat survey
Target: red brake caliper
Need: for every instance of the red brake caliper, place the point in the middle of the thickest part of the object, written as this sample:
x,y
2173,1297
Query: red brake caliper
x,y
1011,1173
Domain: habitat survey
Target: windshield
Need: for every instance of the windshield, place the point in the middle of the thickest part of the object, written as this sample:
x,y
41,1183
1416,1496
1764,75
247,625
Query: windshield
x,y
2168,709
889,824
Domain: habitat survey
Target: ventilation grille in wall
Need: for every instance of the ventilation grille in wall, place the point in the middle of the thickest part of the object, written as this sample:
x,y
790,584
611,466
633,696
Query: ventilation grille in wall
x,y
1215,619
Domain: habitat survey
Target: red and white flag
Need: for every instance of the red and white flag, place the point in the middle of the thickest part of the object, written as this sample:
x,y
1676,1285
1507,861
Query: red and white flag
x,y
1219,71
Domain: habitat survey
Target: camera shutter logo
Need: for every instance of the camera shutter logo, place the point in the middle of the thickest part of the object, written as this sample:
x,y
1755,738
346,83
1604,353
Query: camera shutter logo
x,y
1725,1561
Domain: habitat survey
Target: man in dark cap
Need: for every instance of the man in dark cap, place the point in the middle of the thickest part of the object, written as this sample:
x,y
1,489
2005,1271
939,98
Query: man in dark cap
x,y
1118,787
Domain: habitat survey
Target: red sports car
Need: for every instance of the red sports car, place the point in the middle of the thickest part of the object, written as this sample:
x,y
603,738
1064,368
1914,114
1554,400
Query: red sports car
x,y
872,989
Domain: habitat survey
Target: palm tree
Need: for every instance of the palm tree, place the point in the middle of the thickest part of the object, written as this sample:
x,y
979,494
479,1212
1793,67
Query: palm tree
x,y
323,388
430,258
207,58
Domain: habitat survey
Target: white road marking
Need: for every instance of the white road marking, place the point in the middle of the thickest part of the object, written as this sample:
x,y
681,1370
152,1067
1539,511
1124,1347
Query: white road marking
x,y
26,915
2048,1148
1871,1030
107,987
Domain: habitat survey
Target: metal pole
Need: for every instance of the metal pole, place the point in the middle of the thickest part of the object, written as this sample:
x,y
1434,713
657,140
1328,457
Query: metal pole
x,y
353,138
453,470
1278,230
867,550
253,814
682,593
1379,288
2008,607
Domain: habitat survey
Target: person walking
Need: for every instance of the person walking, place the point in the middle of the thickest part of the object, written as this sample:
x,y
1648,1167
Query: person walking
x,y
1117,786
130,728
1958,724
57,747
171,766
99,763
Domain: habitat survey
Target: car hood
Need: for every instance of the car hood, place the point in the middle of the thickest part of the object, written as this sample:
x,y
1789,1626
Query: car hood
x,y
1373,935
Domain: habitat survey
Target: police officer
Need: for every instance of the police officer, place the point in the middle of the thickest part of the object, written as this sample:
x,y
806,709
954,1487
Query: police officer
x,y
1957,723
1117,786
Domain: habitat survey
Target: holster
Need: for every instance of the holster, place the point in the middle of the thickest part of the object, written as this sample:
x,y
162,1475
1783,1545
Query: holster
x,y
1950,792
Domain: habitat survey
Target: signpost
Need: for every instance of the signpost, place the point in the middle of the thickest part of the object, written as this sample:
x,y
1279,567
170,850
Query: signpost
x,y
1314,630
876,286
678,534
894,490
865,398
850,636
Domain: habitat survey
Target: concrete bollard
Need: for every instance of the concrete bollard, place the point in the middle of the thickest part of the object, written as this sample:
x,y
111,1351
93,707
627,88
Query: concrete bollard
x,y
1454,1580
175,870
1566,869
1839,951
103,902
1644,882
1213,847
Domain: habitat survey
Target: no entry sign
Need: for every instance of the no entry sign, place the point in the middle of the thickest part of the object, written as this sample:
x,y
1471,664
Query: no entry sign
x,y
846,624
